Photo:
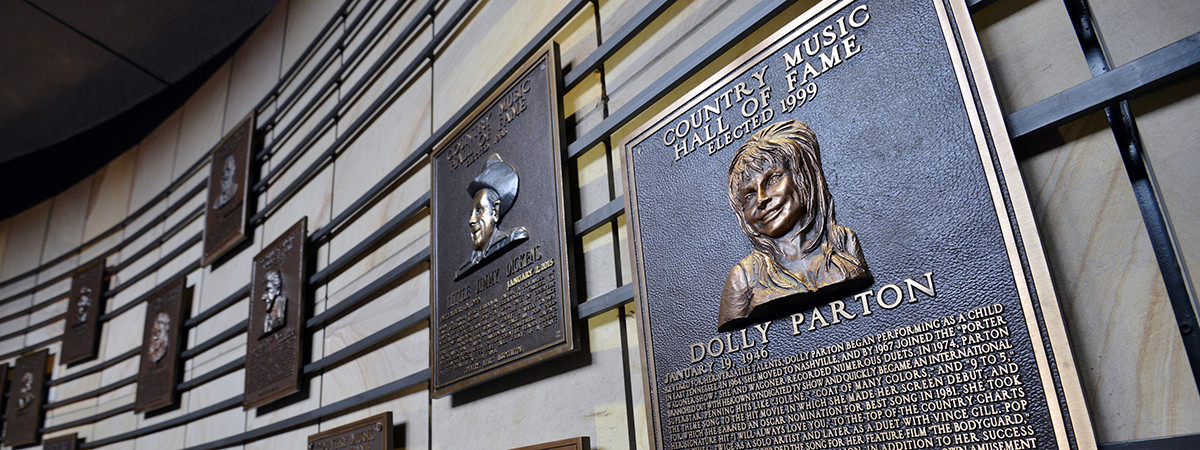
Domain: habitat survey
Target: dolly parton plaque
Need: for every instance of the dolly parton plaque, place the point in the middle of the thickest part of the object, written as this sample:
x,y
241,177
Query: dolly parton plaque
x,y
67,442
161,343
273,347
372,433
229,191
501,278
833,248
26,393
81,328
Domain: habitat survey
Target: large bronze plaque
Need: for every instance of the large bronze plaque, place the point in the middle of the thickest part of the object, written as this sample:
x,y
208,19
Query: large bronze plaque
x,y
579,443
81,328
274,345
229,191
26,393
501,276
67,442
920,315
162,340
372,433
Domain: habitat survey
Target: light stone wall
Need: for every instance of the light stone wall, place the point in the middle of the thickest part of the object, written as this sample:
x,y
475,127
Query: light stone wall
x,y
1133,368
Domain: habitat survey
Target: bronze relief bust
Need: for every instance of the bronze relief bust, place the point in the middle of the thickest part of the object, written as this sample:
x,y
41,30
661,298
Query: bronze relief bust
x,y
778,193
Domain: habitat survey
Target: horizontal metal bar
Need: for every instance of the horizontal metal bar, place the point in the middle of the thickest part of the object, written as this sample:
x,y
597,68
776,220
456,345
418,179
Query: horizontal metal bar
x,y
162,261
334,409
187,220
601,216
1162,443
606,301
350,351
371,242
32,309
89,419
213,310
229,333
92,393
369,291
182,273
33,347
33,326
305,56
218,372
635,25
96,368
166,424
975,6
1140,75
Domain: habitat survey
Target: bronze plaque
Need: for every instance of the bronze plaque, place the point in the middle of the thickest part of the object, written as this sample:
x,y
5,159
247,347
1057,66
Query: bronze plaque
x,y
81,327
372,433
229,191
162,341
833,248
274,345
26,393
579,443
67,442
501,276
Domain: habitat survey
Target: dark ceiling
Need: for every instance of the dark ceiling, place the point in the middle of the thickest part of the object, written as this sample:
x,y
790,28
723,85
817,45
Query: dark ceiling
x,y
81,81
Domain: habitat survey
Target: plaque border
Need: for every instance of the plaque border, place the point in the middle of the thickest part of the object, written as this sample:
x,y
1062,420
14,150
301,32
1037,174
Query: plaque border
x,y
960,40
570,342
239,237
301,310
97,309
72,438
177,287
388,434
38,402
579,443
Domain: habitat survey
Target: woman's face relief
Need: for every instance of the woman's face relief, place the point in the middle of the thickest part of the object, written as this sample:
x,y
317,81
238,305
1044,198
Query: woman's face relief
x,y
771,201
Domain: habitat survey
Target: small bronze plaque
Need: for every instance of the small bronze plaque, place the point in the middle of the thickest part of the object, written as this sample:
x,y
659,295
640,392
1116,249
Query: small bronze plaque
x,y
833,248
501,276
274,345
579,443
229,191
81,328
162,340
26,393
372,433
67,442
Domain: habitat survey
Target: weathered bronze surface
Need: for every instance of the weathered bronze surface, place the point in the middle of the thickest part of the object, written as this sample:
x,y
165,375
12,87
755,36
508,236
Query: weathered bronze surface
x,y
501,276
81,328
276,332
229,191
372,433
162,340
952,338
779,197
66,442
579,443
26,393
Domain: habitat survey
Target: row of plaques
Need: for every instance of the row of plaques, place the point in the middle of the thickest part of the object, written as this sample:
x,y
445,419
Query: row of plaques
x,y
919,310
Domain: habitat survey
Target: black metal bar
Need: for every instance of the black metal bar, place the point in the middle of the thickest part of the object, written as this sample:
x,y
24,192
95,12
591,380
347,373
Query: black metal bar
x,y
33,347
218,372
170,423
714,48
162,261
93,393
96,368
89,419
305,55
1137,164
976,5
1128,81
1162,443
635,25
331,410
232,299
606,301
141,298
32,309
371,242
369,291
611,210
229,333
350,351
187,220
33,326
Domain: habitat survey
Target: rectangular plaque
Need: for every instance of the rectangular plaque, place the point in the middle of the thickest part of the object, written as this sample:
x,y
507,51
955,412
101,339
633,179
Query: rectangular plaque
x,y
501,276
921,315
229,191
579,443
26,393
274,345
162,341
67,442
372,433
81,328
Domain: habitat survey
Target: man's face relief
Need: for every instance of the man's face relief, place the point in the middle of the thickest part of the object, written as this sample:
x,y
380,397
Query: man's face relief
x,y
484,215
771,201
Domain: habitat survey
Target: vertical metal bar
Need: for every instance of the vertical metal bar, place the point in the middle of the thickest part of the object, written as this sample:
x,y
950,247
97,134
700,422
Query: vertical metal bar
x,y
1145,187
